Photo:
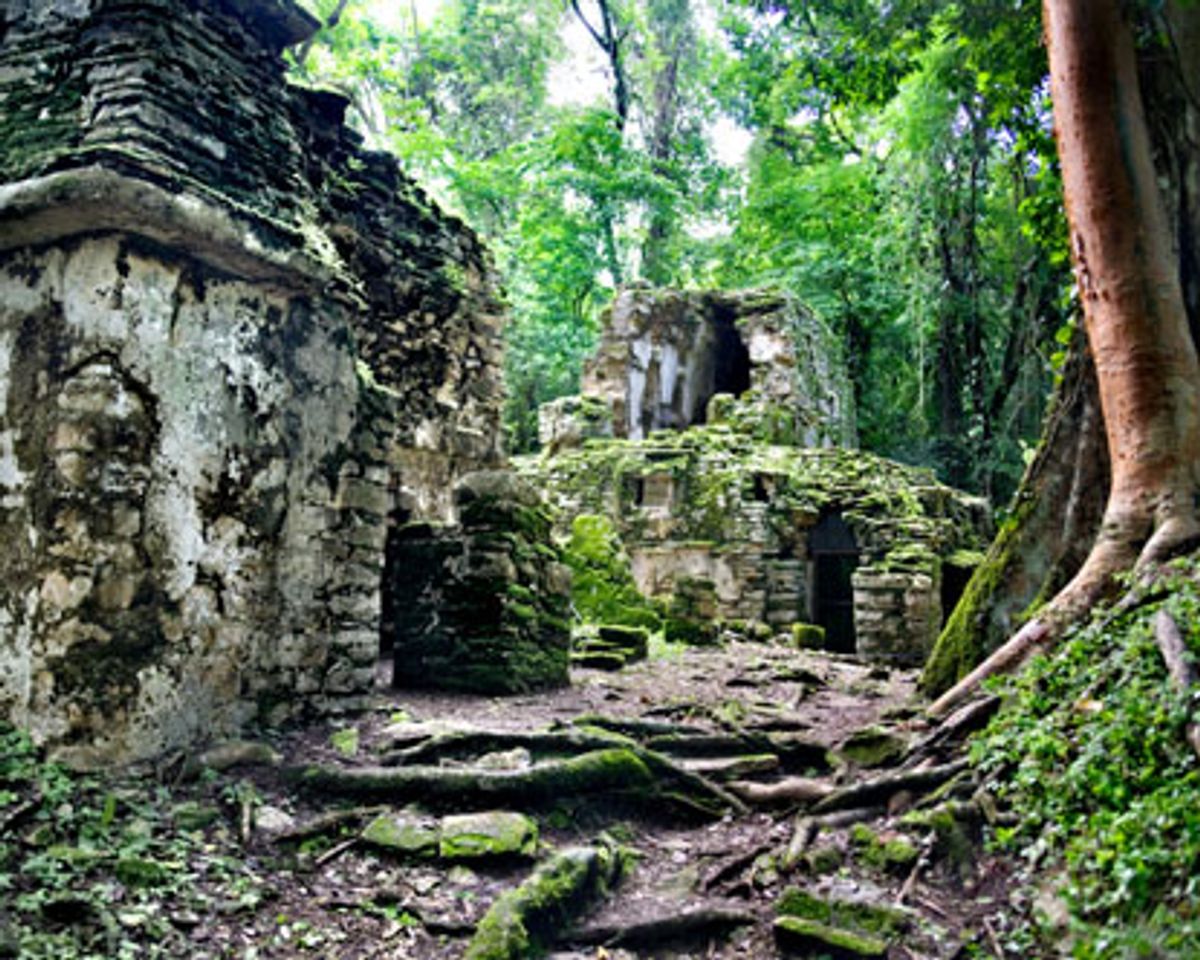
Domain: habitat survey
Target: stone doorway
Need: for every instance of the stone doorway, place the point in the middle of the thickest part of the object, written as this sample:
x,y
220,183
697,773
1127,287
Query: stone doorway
x,y
833,557
730,359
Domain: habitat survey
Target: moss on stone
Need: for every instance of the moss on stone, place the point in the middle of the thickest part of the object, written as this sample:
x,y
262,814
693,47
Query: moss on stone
x,y
808,636
406,834
856,914
892,854
493,834
872,747
809,937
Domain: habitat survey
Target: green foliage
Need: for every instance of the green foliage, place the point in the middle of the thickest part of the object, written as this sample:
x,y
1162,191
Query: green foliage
x,y
1092,752
902,184
95,869
602,586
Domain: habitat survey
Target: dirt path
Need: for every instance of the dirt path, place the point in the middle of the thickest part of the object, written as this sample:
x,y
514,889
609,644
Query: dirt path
x,y
699,882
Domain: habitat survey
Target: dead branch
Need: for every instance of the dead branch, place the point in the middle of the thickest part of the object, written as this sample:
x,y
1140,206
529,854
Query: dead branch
x,y
326,822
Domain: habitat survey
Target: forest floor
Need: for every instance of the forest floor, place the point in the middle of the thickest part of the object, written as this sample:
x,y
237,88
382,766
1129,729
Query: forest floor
x,y
843,797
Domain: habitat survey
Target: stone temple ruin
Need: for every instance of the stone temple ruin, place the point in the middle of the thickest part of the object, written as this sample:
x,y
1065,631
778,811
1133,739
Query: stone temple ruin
x,y
756,499
665,354
236,349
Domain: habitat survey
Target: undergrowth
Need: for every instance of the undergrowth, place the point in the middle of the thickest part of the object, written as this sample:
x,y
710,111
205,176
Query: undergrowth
x,y
93,868
1090,751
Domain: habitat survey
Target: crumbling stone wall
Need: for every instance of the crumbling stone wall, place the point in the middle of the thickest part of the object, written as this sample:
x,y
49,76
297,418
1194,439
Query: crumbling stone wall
x,y
233,344
483,606
665,354
714,505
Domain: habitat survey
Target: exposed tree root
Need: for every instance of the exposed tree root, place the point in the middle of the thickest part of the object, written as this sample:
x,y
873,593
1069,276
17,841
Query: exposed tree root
x,y
880,789
527,919
791,790
694,925
613,771
1183,674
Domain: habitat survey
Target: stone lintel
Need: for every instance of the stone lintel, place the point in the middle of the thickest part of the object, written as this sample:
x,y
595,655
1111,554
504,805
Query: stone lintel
x,y
87,200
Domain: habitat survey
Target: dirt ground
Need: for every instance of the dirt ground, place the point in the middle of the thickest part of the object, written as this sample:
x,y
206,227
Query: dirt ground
x,y
333,896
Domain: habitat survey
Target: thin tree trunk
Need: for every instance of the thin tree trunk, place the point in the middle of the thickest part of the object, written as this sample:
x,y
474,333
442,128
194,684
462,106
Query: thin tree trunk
x,y
1137,325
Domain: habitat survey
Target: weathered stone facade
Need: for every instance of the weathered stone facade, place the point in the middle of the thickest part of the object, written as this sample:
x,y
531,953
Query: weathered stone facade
x,y
742,506
665,354
781,534
233,346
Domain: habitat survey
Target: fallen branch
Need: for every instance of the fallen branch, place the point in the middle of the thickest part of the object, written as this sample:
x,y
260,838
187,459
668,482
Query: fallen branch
x,y
1179,667
526,920
878,790
701,923
335,851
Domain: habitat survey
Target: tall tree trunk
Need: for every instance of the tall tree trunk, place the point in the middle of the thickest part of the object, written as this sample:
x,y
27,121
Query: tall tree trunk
x,y
1137,325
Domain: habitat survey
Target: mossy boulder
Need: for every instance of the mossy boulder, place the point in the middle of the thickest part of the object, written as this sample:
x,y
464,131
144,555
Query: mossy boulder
x,y
890,852
876,919
492,834
808,636
873,747
407,834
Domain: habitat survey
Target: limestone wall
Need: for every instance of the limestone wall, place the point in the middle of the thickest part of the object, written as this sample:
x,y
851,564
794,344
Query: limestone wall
x,y
233,345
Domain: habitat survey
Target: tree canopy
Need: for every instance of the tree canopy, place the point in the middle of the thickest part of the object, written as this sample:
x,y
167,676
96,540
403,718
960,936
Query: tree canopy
x,y
891,164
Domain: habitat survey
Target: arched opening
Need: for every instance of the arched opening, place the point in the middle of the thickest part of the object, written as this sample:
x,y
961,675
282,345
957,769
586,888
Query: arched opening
x,y
833,556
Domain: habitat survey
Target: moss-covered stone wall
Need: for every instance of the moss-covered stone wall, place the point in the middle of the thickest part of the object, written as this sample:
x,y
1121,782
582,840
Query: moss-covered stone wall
x,y
482,606
664,355
716,504
233,344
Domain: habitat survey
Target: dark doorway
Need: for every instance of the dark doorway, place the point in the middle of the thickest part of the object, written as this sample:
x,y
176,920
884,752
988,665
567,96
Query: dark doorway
x,y
954,582
724,369
833,556
732,372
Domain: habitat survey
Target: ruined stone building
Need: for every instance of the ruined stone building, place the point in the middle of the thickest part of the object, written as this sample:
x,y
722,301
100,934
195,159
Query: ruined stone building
x,y
714,430
233,344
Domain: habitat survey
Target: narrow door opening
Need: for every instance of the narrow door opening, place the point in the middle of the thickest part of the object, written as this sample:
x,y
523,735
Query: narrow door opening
x,y
833,556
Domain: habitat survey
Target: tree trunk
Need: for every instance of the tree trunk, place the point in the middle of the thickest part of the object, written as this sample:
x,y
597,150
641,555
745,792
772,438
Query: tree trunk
x,y
1137,324
1055,516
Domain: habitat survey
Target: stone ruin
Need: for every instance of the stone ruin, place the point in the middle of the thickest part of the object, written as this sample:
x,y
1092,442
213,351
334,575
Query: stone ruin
x,y
664,354
755,499
236,350
250,391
